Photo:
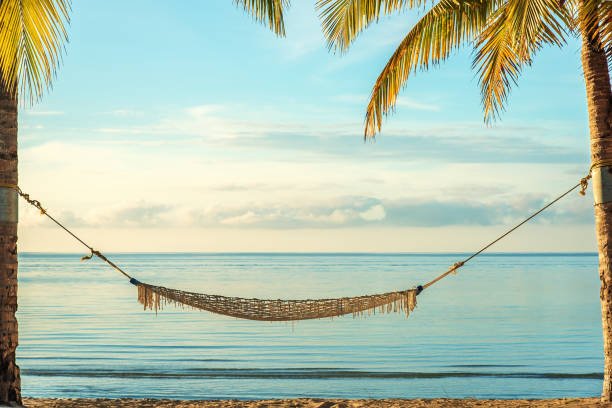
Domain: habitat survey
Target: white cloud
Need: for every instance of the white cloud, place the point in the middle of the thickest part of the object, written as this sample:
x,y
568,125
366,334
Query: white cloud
x,y
44,113
204,110
410,103
209,121
374,213
126,113
402,101
246,218
337,212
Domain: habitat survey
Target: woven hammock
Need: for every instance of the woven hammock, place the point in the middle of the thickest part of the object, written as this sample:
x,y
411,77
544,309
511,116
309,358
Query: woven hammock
x,y
154,297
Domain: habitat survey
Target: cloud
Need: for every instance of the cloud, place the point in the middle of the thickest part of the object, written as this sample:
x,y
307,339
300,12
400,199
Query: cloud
x,y
375,213
247,218
204,110
458,148
126,113
235,131
410,103
141,214
246,187
349,211
402,101
210,122
138,215
296,48
44,113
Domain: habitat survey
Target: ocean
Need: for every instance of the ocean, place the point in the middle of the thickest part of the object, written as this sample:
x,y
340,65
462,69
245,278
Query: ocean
x,y
505,326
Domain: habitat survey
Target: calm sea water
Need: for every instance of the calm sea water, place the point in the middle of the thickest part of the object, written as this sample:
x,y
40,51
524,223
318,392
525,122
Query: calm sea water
x,y
506,326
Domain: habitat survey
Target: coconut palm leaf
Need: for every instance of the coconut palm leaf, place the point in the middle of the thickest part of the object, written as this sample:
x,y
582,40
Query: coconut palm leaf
x,y
268,12
32,38
444,28
594,18
605,25
516,30
343,20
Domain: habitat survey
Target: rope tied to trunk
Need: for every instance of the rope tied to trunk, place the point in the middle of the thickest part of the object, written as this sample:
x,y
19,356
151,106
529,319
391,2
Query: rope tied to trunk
x,y
154,297
584,182
26,197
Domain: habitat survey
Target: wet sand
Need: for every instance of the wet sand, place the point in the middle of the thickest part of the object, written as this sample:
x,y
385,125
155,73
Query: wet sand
x,y
313,403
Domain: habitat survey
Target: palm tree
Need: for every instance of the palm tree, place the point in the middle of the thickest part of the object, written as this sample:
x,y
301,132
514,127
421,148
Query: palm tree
x,y
32,38
505,35
32,34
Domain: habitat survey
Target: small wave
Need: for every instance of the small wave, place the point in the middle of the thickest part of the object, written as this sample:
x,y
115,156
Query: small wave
x,y
484,365
298,373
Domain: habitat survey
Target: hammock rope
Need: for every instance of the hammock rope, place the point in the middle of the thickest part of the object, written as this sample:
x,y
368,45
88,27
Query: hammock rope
x,y
154,297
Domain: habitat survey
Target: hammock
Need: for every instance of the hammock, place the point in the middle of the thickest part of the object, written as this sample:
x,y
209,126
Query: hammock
x,y
154,297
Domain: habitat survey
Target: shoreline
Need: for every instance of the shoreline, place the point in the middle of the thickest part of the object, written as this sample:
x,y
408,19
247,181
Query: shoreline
x,y
310,403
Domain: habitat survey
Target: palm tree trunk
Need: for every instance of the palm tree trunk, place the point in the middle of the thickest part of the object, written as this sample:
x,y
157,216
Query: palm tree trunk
x,y
10,382
599,102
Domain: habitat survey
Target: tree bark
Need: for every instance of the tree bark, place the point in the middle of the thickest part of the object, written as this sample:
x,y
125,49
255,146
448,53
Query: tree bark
x,y
10,381
599,103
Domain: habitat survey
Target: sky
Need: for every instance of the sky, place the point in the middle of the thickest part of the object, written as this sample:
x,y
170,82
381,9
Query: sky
x,y
186,126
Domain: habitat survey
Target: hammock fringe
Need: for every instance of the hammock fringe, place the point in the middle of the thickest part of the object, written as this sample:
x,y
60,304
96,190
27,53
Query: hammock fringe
x,y
156,297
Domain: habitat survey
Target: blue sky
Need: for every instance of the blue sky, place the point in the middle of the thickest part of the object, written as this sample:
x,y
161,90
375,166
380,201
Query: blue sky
x,y
188,127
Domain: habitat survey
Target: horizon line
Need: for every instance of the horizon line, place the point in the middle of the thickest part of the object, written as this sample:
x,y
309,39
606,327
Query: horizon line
x,y
499,253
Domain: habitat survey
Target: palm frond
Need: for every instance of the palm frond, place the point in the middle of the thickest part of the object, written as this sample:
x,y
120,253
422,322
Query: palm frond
x,y
605,26
595,22
499,63
343,20
268,12
570,8
444,28
605,29
537,22
516,31
32,38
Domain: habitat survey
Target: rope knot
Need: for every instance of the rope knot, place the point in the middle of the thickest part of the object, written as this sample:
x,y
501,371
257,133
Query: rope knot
x,y
584,184
456,266
31,201
598,163
91,255
40,207
88,257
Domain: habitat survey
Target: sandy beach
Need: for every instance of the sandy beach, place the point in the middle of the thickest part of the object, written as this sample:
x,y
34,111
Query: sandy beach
x,y
312,403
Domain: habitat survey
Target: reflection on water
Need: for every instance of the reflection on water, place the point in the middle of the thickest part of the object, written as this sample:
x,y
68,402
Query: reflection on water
x,y
506,326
